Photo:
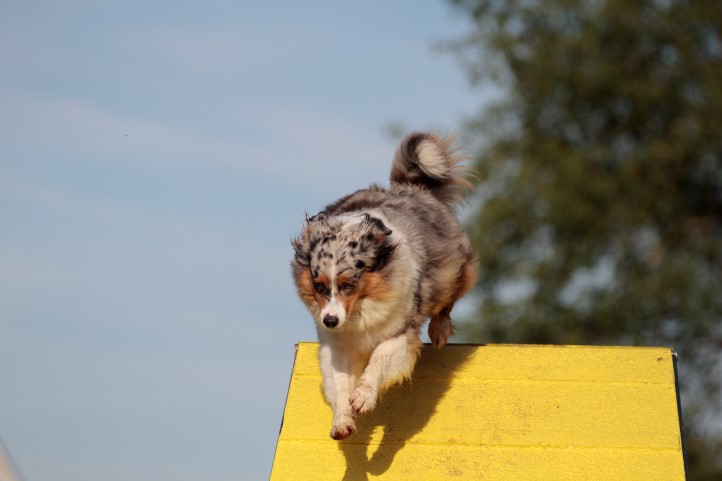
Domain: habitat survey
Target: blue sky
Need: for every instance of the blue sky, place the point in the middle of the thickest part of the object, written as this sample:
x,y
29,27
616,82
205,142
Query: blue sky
x,y
155,160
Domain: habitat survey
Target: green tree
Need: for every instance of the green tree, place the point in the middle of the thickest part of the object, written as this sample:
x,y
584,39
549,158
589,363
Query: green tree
x,y
599,217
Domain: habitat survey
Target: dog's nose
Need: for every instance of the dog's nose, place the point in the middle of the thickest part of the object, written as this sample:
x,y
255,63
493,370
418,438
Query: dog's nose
x,y
330,321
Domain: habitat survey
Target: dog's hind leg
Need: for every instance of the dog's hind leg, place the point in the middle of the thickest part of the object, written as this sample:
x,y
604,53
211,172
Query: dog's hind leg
x,y
392,361
440,326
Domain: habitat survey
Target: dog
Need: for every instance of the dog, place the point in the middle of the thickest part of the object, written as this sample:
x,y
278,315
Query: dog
x,y
374,265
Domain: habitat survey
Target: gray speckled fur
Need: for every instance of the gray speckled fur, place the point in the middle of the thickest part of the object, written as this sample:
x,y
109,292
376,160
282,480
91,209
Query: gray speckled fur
x,y
407,239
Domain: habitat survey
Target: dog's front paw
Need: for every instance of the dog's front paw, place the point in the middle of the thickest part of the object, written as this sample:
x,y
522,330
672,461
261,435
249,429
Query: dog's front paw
x,y
363,398
343,428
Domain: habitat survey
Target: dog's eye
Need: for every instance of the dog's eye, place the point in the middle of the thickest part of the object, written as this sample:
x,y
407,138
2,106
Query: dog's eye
x,y
346,287
321,288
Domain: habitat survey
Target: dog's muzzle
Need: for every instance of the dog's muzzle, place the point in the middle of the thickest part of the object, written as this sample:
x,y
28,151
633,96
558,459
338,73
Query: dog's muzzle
x,y
330,321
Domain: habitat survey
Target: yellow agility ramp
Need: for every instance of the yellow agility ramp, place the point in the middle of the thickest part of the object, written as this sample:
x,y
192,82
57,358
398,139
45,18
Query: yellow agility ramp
x,y
497,413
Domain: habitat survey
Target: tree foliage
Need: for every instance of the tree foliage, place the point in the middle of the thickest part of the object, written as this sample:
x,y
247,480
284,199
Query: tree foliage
x,y
599,217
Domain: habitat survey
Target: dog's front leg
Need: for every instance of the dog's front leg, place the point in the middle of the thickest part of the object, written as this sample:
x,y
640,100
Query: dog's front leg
x,y
392,361
338,380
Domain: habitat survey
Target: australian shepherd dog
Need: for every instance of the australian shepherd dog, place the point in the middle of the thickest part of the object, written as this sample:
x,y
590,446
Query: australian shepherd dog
x,y
374,265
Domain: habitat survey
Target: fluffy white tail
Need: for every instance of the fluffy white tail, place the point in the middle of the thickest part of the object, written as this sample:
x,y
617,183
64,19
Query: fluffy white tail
x,y
424,159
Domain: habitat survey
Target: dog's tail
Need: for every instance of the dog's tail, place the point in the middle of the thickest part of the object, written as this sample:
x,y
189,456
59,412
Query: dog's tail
x,y
434,162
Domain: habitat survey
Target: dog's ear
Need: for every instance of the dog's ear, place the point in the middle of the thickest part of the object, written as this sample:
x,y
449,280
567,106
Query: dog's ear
x,y
313,231
318,218
376,235
374,227
301,251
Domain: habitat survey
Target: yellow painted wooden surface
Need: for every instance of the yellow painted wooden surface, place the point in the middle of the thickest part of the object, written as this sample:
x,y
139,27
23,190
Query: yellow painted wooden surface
x,y
496,412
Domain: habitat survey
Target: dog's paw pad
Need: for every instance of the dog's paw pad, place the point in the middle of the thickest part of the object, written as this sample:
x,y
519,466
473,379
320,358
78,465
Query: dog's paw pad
x,y
363,399
439,331
343,429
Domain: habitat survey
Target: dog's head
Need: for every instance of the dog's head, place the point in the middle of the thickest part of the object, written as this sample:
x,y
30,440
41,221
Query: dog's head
x,y
339,262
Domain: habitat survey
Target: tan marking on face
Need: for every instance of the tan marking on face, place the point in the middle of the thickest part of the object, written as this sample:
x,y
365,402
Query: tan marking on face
x,y
323,279
373,286
304,284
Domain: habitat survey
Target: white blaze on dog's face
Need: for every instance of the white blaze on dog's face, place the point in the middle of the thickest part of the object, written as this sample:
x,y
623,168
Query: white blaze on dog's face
x,y
335,297
344,264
